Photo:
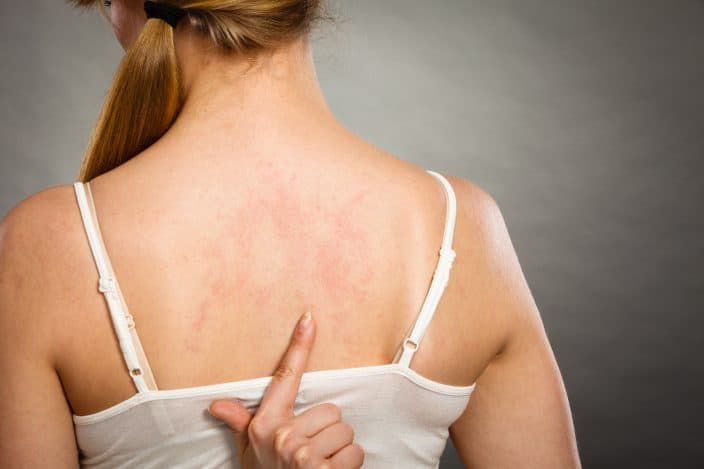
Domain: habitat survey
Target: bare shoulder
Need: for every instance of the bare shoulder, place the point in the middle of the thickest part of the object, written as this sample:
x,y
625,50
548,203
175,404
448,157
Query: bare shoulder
x,y
45,205
479,213
487,268
37,226
33,244
37,237
486,241
519,413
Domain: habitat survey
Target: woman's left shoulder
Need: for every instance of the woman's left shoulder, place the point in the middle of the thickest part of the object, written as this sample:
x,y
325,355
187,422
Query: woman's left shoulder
x,y
37,223
35,236
38,240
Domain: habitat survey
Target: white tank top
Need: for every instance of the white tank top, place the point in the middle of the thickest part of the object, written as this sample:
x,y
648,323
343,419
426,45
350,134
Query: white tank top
x,y
400,418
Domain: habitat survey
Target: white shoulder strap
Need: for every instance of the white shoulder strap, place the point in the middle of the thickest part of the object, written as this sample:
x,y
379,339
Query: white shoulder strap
x,y
440,277
122,320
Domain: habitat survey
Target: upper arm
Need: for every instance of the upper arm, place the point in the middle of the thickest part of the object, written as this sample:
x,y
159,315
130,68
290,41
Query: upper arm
x,y
518,414
36,427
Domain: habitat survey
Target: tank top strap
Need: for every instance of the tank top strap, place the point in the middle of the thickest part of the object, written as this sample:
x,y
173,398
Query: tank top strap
x,y
441,276
123,323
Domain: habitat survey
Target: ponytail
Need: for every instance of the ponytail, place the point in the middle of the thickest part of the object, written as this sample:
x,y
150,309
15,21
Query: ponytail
x,y
142,103
147,92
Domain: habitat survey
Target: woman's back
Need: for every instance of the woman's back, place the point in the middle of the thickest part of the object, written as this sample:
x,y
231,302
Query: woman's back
x,y
214,269
230,200
255,205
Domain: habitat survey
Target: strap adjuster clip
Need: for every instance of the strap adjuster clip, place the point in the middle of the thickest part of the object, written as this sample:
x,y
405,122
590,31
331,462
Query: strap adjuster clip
x,y
107,284
448,253
130,320
414,347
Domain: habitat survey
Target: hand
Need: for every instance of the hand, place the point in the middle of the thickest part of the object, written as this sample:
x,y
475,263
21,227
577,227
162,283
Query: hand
x,y
276,439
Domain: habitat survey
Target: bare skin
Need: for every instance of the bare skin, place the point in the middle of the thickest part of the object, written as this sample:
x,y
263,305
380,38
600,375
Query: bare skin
x,y
256,205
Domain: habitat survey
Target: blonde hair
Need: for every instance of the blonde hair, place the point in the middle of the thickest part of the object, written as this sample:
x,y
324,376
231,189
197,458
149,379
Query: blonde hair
x,y
146,93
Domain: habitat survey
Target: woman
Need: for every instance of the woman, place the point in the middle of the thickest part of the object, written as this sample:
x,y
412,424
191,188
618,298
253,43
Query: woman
x,y
219,198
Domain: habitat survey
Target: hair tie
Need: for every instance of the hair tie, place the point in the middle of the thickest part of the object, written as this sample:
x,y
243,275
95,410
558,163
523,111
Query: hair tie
x,y
172,14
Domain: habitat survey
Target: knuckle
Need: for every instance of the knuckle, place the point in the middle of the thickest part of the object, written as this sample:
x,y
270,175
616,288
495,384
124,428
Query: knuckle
x,y
303,456
349,430
325,465
257,431
283,438
333,410
283,372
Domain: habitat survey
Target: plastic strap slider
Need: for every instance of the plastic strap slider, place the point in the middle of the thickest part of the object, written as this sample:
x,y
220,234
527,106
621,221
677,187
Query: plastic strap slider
x,y
107,284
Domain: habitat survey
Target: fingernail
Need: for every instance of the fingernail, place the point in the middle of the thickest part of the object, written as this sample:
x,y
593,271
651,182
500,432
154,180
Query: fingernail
x,y
305,321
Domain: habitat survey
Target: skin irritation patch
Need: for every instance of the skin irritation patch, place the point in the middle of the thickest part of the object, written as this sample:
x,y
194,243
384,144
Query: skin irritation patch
x,y
279,246
348,244
214,291
288,242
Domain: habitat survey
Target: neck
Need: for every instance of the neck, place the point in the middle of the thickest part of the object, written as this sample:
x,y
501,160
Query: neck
x,y
257,105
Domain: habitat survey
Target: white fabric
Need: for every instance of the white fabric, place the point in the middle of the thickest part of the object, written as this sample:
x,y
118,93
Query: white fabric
x,y
400,418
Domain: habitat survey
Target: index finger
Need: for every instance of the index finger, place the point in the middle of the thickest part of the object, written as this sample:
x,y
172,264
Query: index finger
x,y
281,392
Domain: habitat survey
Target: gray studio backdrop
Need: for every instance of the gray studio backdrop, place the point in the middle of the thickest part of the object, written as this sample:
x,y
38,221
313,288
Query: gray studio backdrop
x,y
584,119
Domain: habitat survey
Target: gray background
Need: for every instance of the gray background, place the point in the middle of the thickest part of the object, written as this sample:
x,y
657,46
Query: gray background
x,y
584,119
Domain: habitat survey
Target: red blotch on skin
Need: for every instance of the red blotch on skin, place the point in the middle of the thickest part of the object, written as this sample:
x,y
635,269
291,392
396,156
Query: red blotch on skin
x,y
202,313
348,244
201,317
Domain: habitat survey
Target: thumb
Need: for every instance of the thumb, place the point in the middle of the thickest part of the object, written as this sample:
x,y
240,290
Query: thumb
x,y
235,416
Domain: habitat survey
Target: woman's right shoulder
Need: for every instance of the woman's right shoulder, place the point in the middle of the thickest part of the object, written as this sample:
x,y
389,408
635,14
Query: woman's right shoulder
x,y
520,392
486,271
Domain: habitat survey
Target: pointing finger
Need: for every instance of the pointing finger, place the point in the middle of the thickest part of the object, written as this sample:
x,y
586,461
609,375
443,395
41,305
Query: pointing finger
x,y
280,395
